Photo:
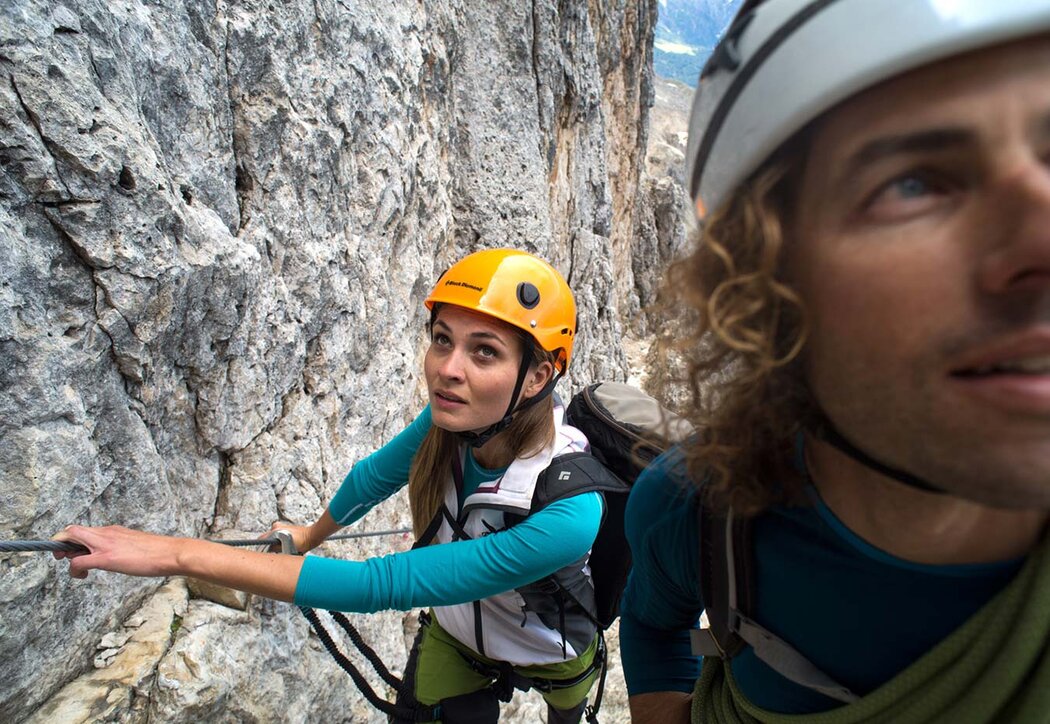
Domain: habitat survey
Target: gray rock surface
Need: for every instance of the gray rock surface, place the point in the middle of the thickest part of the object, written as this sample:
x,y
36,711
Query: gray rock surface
x,y
666,219
217,224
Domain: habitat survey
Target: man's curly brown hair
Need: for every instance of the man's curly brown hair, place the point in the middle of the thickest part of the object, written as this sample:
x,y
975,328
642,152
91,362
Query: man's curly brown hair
x,y
741,351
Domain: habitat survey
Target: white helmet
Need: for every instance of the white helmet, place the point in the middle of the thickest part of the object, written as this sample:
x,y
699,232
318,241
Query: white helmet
x,y
784,62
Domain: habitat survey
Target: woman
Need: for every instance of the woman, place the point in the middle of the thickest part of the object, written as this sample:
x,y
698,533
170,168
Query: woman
x,y
502,326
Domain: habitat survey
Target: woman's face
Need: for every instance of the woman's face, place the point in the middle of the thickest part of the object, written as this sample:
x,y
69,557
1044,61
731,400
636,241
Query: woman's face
x,y
471,367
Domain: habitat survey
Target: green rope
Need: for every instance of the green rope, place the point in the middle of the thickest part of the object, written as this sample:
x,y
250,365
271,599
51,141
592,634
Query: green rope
x,y
993,668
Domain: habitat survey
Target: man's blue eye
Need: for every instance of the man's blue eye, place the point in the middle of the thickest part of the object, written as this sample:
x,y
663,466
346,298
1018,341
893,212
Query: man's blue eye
x,y
911,187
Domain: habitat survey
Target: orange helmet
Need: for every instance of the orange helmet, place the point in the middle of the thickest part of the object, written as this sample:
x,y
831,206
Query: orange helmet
x,y
518,288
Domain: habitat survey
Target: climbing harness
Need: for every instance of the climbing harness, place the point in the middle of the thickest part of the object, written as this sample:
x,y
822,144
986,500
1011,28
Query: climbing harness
x,y
406,708
505,679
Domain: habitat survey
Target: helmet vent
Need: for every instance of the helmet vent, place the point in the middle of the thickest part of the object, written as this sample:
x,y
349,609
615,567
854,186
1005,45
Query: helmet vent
x,y
528,295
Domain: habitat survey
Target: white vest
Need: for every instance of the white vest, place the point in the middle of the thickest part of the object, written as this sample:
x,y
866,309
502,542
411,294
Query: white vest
x,y
503,636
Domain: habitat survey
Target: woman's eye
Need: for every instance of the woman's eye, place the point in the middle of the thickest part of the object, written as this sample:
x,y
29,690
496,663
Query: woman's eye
x,y
486,352
441,339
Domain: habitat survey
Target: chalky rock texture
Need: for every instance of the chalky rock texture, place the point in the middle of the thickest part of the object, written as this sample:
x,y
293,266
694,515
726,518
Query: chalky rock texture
x,y
217,224
666,219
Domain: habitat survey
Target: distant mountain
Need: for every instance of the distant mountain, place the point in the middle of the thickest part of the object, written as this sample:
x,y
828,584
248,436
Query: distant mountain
x,y
686,32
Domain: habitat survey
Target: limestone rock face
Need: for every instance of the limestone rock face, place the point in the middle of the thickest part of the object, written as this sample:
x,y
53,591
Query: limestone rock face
x,y
217,224
126,661
666,219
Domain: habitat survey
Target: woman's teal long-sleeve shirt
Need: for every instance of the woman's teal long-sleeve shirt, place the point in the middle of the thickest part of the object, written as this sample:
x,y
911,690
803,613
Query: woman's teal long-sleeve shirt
x,y
447,574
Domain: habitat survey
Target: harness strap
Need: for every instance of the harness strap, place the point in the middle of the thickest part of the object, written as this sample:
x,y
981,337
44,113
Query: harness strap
x,y
430,531
726,581
783,658
479,636
591,712
561,623
443,515
504,677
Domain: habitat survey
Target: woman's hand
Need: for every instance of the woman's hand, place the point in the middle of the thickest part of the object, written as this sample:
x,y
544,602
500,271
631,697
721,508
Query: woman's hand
x,y
307,537
115,548
302,536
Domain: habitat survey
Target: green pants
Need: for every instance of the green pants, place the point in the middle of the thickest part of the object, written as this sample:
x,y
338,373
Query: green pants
x,y
441,671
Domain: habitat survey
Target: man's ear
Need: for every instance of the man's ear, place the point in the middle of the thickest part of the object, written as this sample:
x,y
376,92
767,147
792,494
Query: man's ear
x,y
537,379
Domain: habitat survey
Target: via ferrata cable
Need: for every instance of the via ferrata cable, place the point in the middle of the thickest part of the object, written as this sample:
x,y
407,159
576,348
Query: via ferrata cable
x,y
35,546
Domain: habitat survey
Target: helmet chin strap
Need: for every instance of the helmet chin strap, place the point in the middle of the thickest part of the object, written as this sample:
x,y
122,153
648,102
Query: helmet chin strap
x,y
477,439
827,432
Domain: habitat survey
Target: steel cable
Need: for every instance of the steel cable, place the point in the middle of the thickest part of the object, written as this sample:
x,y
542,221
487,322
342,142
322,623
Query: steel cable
x,y
35,546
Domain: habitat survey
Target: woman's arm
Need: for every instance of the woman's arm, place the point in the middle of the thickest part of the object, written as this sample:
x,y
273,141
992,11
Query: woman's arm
x,y
452,573
135,553
114,548
552,538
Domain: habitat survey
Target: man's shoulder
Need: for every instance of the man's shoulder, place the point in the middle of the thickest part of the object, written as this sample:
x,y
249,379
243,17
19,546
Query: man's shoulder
x,y
662,504
664,485
662,528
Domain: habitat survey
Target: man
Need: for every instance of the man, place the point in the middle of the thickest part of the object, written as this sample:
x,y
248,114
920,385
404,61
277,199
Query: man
x,y
872,375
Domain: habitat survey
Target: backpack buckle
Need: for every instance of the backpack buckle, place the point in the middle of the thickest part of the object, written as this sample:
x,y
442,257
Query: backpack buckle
x,y
703,643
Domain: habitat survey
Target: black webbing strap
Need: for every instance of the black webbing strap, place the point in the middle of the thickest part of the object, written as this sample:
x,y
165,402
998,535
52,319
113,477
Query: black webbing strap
x,y
505,679
479,634
442,515
739,567
601,656
457,474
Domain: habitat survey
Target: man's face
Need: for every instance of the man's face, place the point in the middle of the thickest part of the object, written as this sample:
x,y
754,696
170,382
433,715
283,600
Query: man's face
x,y
921,248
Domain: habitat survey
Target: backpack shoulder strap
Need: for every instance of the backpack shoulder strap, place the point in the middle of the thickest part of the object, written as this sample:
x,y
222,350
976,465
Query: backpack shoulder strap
x,y
727,587
572,474
725,580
